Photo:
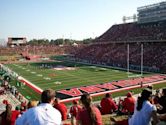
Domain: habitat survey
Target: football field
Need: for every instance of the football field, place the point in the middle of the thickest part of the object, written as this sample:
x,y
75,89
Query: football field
x,y
64,75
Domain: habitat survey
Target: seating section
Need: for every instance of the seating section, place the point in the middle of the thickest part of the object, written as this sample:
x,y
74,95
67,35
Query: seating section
x,y
111,47
35,50
115,54
134,32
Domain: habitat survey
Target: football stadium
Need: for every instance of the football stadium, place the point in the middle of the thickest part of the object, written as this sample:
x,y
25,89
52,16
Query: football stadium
x,y
123,70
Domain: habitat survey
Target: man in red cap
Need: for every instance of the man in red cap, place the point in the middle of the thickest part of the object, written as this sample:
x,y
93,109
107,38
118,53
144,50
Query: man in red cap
x,y
128,104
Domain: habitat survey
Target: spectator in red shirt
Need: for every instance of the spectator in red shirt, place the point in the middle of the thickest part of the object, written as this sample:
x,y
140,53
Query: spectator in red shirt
x,y
90,114
15,115
128,104
74,111
108,105
9,117
61,107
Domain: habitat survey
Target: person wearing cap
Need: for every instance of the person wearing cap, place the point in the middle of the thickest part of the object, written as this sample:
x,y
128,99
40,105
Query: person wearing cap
x,y
128,104
74,111
108,105
43,114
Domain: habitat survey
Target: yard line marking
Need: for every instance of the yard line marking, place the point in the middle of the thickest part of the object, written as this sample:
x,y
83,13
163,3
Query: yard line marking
x,y
40,75
47,78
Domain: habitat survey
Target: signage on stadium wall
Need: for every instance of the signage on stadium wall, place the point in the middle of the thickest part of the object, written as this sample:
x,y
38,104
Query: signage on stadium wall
x,y
74,92
115,86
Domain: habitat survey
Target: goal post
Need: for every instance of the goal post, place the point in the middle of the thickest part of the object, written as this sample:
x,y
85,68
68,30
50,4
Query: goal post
x,y
130,74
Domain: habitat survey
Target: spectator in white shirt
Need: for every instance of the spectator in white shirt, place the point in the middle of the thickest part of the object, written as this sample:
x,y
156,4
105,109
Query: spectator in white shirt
x,y
44,114
144,110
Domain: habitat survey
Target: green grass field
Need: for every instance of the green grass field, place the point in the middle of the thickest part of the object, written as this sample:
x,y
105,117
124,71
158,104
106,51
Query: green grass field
x,y
45,76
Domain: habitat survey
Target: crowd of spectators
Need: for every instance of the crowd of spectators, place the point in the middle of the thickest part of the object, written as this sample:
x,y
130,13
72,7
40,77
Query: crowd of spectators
x,y
146,108
111,47
116,55
35,50
7,88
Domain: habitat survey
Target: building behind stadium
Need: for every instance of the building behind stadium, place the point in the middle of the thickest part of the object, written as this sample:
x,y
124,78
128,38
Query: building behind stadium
x,y
16,41
152,13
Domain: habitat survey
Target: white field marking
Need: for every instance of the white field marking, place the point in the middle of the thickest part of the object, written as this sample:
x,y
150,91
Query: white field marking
x,y
47,78
115,70
93,67
57,83
39,75
60,67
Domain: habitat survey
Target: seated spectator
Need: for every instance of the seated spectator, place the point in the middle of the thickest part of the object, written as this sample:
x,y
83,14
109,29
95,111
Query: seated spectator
x,y
61,107
89,115
23,104
128,104
23,109
156,97
9,117
107,105
150,87
32,104
162,118
15,115
44,114
162,102
120,107
144,110
74,111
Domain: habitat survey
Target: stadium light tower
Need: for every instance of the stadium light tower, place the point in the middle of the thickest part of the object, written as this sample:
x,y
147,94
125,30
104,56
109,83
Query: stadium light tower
x,y
128,62
133,17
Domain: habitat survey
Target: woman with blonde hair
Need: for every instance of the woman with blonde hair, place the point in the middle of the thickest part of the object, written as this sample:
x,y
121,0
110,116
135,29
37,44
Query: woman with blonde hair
x,y
32,103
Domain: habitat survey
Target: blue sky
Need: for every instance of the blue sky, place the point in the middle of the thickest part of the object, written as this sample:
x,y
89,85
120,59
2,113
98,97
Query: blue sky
x,y
52,19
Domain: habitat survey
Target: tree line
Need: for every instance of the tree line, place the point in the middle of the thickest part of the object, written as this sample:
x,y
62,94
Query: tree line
x,y
59,41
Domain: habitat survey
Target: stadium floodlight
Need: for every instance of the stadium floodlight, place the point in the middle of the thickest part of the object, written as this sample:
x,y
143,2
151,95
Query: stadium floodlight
x,y
130,75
